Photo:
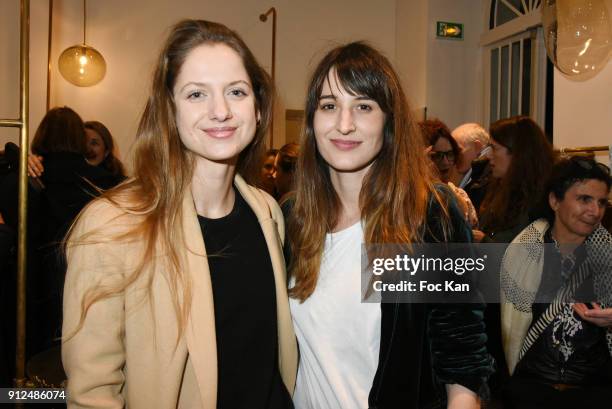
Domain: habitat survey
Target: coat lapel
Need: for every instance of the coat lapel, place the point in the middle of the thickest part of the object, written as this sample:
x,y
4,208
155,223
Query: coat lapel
x,y
287,346
200,331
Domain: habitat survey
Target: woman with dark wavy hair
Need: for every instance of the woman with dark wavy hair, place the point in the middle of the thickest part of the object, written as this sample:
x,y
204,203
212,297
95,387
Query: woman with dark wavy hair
x,y
362,178
175,293
443,151
521,159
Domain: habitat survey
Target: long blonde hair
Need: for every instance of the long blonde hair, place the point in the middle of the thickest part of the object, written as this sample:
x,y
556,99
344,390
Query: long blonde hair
x,y
395,192
163,167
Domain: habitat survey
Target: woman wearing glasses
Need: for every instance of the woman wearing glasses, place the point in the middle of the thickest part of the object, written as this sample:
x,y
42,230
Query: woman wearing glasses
x,y
444,151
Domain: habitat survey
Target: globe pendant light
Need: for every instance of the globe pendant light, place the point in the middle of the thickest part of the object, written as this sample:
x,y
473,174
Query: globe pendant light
x,y
81,64
577,35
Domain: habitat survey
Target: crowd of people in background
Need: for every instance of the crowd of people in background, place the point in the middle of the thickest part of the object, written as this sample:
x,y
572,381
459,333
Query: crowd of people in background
x,y
71,162
502,185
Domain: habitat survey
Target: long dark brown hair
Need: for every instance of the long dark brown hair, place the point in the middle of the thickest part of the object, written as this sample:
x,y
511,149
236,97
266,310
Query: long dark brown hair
x,y
395,191
163,167
519,190
61,130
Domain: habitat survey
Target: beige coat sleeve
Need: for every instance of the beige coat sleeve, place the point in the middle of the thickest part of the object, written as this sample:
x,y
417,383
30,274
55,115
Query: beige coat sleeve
x,y
94,356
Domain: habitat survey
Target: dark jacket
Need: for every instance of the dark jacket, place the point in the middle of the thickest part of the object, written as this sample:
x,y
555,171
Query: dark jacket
x,y
477,187
424,346
7,245
68,186
70,183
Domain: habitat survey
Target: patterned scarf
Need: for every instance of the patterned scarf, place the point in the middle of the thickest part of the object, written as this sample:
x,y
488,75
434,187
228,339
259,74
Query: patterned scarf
x,y
521,274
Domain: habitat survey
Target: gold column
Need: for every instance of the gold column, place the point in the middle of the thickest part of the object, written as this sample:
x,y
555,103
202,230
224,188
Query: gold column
x,y
24,88
264,17
22,123
49,38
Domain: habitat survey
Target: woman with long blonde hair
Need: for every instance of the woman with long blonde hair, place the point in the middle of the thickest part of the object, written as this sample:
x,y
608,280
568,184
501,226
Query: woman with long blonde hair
x,y
362,178
175,292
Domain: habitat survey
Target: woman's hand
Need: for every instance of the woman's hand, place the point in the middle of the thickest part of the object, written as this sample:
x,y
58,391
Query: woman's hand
x,y
35,166
477,236
602,317
460,397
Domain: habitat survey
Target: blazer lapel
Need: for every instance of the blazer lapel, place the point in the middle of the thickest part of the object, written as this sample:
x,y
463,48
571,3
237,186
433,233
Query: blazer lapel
x,y
200,331
287,347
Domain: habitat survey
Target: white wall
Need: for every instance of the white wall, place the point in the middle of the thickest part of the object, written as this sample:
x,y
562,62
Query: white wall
x,y
129,34
443,75
411,49
583,109
9,77
454,68
9,65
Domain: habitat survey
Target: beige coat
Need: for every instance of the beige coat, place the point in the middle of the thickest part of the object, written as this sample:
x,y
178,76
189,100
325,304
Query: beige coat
x,y
127,352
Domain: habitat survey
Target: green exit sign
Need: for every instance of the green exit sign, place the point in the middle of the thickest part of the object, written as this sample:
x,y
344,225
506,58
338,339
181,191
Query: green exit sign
x,y
445,29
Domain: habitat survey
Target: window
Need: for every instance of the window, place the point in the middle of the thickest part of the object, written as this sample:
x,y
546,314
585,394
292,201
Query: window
x,y
510,78
514,61
503,11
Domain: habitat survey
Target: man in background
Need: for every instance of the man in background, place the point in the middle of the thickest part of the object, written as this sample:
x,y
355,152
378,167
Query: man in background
x,y
472,168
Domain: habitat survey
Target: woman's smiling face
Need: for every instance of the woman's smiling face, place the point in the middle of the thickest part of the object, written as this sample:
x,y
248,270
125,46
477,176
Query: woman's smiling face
x,y
215,104
348,128
96,149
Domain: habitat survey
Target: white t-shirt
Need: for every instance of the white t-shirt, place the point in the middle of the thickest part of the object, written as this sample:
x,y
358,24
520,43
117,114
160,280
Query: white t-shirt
x,y
339,336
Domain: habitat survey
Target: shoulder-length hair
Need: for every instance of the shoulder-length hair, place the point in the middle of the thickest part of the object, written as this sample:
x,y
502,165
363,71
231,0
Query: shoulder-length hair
x,y
163,167
61,130
394,194
110,162
520,189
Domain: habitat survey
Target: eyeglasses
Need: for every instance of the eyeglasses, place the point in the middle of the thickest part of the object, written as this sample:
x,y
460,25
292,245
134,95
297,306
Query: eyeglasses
x,y
438,156
589,164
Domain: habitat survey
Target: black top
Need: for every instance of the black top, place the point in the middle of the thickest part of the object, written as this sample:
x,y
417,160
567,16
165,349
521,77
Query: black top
x,y
570,350
245,311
